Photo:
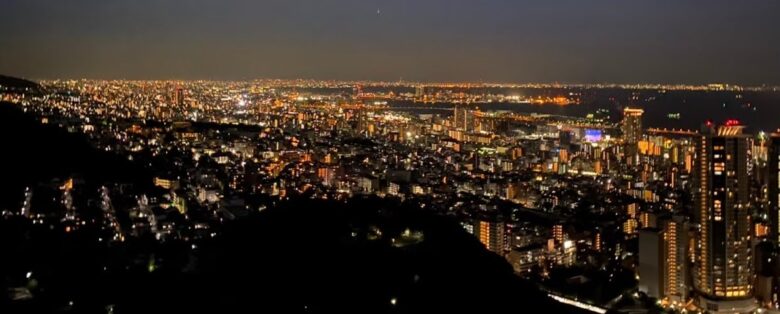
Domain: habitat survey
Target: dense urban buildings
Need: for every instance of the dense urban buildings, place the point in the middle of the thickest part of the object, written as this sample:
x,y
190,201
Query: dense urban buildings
x,y
725,267
438,156
599,211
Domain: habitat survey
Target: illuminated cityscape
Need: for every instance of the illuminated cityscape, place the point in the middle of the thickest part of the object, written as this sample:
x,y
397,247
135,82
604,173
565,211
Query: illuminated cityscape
x,y
500,175
519,183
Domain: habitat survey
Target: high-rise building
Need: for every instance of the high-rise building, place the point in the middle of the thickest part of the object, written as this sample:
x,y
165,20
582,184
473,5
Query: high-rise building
x,y
463,118
419,92
492,233
458,117
557,232
650,262
178,97
630,226
724,270
662,261
675,252
327,175
647,220
631,210
773,186
632,126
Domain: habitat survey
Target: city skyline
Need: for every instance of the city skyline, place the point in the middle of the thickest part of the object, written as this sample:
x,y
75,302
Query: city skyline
x,y
390,156
592,193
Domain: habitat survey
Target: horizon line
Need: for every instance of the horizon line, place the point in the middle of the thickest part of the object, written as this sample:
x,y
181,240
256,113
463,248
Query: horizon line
x,y
419,82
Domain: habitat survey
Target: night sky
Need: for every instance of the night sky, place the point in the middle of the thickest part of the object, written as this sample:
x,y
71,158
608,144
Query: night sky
x,y
417,40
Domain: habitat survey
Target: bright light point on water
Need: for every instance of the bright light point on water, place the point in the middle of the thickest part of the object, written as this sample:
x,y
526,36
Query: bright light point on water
x,y
393,301
29,274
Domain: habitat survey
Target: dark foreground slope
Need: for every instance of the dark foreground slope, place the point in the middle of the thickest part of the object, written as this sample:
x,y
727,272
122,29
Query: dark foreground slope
x,y
300,256
333,257
34,153
17,84
314,256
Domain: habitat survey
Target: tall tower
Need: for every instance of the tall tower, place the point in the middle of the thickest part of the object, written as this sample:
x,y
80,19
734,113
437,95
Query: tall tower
x,y
651,270
632,128
178,97
458,117
773,188
463,118
662,260
724,270
675,245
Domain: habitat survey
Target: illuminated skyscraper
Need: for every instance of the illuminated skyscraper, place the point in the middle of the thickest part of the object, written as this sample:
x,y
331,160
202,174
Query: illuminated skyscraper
x,y
178,97
463,118
662,261
724,274
773,181
675,252
632,125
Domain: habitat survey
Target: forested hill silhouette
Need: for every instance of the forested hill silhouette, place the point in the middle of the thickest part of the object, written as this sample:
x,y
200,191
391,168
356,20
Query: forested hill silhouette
x,y
365,255
34,153
17,83
300,255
